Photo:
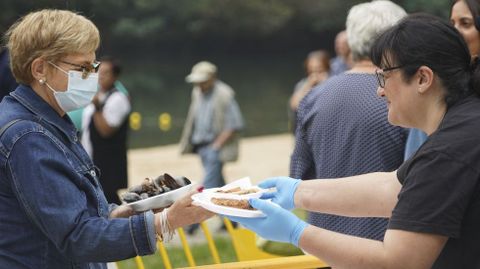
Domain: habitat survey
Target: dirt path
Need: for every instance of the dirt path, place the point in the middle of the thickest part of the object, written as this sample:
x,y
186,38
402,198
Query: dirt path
x,y
260,157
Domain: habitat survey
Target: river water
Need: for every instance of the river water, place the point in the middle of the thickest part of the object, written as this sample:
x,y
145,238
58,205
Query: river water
x,y
263,84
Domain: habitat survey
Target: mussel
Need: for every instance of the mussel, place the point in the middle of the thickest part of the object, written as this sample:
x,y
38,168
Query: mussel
x,y
152,187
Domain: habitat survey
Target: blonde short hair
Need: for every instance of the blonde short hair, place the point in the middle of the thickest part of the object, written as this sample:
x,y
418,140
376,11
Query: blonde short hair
x,y
50,34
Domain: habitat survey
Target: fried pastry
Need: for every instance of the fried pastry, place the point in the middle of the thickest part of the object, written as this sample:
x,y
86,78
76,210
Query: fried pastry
x,y
241,204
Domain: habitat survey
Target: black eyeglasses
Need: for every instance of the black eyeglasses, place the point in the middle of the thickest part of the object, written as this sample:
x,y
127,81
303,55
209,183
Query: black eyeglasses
x,y
86,69
380,73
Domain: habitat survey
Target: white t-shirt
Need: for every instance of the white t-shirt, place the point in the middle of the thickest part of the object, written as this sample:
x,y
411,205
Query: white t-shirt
x,y
114,111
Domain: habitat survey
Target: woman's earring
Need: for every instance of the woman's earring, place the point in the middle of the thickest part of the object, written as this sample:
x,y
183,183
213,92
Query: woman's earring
x,y
41,81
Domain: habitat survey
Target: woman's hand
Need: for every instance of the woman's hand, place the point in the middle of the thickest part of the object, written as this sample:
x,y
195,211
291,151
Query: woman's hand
x,y
285,193
122,211
183,213
278,224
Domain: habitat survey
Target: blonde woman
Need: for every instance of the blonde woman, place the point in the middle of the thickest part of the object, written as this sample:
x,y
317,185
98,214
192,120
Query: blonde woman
x,y
54,213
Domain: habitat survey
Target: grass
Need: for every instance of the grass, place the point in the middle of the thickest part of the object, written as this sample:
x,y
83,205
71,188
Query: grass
x,y
200,252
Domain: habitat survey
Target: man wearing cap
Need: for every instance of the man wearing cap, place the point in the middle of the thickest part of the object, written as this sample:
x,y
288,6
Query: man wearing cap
x,y
212,126
213,123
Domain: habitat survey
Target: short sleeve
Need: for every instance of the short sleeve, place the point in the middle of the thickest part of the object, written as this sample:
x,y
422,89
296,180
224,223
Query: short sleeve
x,y
435,194
116,109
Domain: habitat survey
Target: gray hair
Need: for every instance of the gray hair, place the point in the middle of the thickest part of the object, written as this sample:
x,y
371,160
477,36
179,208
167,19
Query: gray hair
x,y
366,21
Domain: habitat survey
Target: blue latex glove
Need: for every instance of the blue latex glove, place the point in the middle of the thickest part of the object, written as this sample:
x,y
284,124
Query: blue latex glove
x,y
278,224
286,188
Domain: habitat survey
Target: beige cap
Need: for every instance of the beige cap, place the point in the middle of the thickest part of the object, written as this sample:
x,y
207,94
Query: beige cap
x,y
201,72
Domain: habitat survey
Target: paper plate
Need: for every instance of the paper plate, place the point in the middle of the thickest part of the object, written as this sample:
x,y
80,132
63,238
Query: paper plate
x,y
204,200
161,200
243,183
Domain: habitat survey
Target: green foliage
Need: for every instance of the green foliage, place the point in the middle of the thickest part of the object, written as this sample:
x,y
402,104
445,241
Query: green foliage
x,y
438,7
173,21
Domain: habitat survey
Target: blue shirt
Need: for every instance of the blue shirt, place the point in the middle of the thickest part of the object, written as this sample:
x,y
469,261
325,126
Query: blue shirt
x,y
338,66
54,213
343,131
415,139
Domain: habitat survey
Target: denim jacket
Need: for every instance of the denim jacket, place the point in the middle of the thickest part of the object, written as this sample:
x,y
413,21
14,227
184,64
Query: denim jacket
x,y
53,210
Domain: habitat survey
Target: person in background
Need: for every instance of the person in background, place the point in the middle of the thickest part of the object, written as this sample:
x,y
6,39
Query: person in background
x,y
317,67
429,82
213,124
105,129
341,62
335,122
464,16
7,81
54,212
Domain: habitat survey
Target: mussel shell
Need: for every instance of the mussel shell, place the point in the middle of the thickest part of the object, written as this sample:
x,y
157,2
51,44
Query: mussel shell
x,y
136,189
158,182
182,181
144,195
156,192
130,197
170,182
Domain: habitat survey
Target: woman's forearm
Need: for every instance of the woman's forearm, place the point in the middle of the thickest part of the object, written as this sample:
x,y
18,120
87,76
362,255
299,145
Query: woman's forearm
x,y
368,195
399,250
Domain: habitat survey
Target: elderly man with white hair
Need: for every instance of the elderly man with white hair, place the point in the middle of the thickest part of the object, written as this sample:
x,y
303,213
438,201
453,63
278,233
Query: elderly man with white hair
x,y
343,127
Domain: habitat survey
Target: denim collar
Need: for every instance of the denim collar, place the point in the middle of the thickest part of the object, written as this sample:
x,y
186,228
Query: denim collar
x,y
26,96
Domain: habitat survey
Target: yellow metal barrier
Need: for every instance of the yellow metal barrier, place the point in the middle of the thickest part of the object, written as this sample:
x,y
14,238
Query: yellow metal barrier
x,y
297,262
164,255
244,243
139,262
248,254
186,247
211,244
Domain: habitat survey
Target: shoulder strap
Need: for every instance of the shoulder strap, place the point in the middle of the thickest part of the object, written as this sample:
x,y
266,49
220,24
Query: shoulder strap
x,y
6,126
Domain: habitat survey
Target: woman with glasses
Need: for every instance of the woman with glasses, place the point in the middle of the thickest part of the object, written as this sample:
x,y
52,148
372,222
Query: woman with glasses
x,y
433,200
54,213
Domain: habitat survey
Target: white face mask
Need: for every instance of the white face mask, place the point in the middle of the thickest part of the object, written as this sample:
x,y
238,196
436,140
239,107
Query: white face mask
x,y
79,93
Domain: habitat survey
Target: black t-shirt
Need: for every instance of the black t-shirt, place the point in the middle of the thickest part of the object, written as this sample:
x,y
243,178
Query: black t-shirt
x,y
440,187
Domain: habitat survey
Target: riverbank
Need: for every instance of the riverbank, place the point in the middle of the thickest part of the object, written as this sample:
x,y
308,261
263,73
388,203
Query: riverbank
x,y
260,157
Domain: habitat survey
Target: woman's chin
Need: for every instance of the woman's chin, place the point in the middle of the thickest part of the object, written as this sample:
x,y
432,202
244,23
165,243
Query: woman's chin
x,y
393,120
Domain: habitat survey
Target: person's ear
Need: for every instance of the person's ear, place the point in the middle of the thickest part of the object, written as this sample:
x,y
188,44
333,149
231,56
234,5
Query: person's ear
x,y
39,69
425,78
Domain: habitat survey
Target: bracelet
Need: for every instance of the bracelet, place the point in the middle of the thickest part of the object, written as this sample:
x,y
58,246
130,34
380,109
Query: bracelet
x,y
158,235
166,232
